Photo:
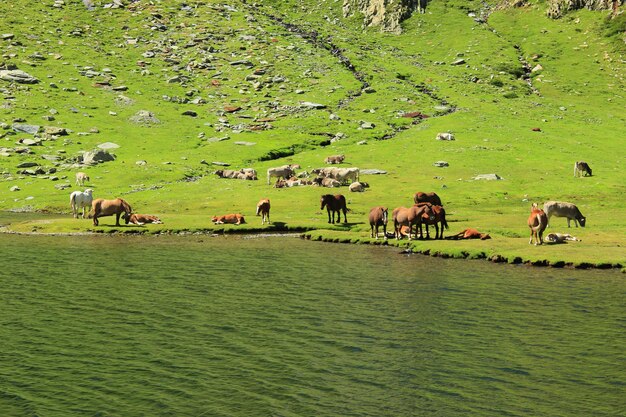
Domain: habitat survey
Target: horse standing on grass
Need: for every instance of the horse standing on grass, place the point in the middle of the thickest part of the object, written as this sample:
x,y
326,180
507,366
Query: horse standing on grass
x,y
336,204
263,210
81,199
101,207
378,217
537,221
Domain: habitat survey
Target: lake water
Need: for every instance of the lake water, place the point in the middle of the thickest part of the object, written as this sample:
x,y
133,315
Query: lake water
x,y
278,326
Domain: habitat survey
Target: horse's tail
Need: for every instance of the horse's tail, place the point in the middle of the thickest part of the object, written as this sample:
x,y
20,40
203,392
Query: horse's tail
x,y
72,200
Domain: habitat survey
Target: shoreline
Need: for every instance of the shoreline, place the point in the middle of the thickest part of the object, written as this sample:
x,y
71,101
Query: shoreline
x,y
322,235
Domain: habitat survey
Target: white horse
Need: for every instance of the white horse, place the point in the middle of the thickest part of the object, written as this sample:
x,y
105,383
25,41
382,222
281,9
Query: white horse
x,y
80,200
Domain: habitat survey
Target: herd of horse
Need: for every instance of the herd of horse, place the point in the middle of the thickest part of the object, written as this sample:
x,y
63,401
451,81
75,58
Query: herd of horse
x,y
427,210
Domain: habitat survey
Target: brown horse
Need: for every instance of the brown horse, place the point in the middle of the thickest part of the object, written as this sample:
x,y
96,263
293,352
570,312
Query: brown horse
x,y
101,207
537,221
469,234
414,215
440,217
378,217
335,203
263,209
431,198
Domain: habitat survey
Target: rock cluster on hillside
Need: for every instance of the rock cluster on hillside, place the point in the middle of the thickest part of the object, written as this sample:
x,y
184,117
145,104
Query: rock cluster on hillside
x,y
383,13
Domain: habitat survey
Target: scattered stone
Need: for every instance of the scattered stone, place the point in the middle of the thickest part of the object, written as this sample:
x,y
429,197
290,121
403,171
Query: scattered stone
x,y
62,186
15,188
17,76
222,164
311,105
445,136
459,61
231,109
23,128
30,142
489,177
97,156
369,90
28,165
367,125
144,117
441,164
242,62
216,139
108,145
536,68
55,131
373,172
190,113
141,162
243,143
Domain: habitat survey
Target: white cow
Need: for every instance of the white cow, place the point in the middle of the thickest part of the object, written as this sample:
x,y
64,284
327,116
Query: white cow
x,y
80,200
563,209
285,171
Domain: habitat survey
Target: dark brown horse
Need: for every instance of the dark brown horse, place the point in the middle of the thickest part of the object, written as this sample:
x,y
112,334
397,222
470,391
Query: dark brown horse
x,y
411,216
439,217
431,198
336,204
378,217
101,207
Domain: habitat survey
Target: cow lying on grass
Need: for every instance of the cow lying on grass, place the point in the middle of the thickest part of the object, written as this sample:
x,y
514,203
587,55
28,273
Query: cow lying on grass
x,y
560,238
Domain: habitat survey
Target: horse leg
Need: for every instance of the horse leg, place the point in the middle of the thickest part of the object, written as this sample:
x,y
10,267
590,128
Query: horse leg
x,y
117,219
328,211
345,219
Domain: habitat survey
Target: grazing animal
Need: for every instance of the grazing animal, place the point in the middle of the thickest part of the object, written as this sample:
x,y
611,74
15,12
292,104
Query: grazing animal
x,y
285,171
412,216
81,200
342,175
469,234
334,159
582,169
81,177
335,204
537,221
229,219
358,187
560,238
378,217
263,209
563,209
439,217
141,219
445,136
431,198
101,207
226,173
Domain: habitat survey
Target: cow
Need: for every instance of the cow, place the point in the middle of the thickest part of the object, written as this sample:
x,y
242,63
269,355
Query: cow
x,y
340,174
229,219
285,171
431,198
335,159
141,219
469,234
560,238
582,169
358,187
263,210
226,173
445,136
537,222
378,217
564,209
81,177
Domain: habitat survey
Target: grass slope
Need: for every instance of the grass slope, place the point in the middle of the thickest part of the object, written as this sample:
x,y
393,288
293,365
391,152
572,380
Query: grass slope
x,y
174,57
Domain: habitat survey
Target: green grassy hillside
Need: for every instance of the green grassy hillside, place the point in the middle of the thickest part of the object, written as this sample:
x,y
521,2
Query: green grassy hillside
x,y
227,83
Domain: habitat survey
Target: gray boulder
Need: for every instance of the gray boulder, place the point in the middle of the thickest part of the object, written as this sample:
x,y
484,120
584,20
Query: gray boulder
x,y
97,156
17,76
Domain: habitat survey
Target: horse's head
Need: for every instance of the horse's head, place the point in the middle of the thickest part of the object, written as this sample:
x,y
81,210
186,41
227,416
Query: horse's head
x,y
385,214
324,200
88,191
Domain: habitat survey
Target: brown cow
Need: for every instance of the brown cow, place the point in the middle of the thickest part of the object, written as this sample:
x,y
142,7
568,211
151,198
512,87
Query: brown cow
x,y
537,221
141,219
334,159
469,234
229,219
378,217
431,198
101,207
263,209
